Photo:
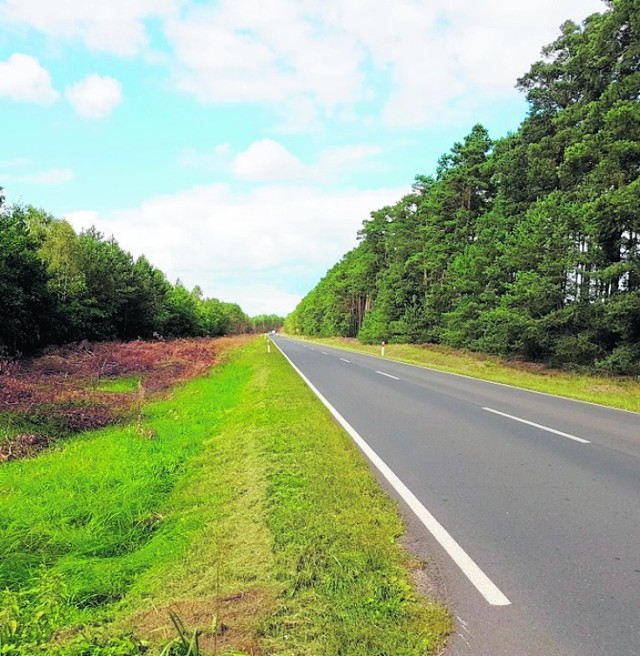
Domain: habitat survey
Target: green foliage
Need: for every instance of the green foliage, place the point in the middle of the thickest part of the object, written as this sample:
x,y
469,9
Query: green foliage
x,y
30,616
57,287
127,384
527,247
186,644
264,323
29,619
181,313
24,298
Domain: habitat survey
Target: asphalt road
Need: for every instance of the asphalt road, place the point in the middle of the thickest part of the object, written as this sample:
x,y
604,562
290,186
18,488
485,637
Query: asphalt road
x,y
550,519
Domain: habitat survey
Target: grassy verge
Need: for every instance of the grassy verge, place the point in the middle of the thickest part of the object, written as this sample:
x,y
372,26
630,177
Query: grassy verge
x,y
238,504
616,392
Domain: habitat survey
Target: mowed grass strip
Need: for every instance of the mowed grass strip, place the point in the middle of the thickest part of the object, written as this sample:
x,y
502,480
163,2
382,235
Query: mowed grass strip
x,y
239,504
614,391
346,587
302,555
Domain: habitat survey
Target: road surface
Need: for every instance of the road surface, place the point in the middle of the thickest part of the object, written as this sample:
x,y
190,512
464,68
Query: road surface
x,y
529,503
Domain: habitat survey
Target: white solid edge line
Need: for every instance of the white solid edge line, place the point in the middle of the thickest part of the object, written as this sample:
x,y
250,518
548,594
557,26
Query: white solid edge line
x,y
545,428
485,586
344,360
387,375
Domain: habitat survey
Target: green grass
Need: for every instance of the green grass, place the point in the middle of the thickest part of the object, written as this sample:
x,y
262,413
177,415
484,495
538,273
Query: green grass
x,y
15,423
238,502
86,515
127,384
616,392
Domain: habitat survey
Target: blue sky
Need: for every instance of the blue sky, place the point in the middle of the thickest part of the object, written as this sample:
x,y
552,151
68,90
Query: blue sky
x,y
238,144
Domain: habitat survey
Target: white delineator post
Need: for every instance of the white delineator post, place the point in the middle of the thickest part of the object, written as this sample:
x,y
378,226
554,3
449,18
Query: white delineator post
x,y
382,348
268,346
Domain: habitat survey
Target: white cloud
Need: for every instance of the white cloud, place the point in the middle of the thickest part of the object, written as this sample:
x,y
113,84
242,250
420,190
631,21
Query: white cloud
x,y
95,96
51,177
233,53
321,57
218,160
500,40
267,160
345,158
262,298
83,219
18,162
299,114
445,55
211,235
23,79
192,158
116,26
410,62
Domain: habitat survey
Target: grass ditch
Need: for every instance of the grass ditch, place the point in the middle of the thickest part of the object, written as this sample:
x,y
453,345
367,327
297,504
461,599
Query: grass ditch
x,y
235,503
613,391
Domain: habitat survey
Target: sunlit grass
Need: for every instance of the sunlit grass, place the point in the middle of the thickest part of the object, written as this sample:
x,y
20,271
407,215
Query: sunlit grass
x,y
236,503
346,589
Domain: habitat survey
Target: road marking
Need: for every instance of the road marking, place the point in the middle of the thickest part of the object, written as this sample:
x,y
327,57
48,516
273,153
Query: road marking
x,y
485,586
324,353
545,428
343,359
387,375
425,367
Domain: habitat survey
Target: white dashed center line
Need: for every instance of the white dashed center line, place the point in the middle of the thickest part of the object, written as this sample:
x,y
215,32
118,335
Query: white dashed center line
x,y
387,375
540,426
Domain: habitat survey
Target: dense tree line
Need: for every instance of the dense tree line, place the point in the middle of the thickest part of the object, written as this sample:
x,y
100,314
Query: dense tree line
x,y
264,323
57,286
527,246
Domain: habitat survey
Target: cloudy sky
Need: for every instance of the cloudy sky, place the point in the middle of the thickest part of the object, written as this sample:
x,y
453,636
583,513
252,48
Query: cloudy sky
x,y
240,144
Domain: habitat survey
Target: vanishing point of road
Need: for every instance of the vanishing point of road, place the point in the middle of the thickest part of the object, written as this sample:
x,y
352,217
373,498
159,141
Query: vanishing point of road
x,y
528,504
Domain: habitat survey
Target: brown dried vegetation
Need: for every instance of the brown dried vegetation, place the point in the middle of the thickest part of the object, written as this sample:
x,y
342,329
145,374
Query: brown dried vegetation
x,y
224,624
67,390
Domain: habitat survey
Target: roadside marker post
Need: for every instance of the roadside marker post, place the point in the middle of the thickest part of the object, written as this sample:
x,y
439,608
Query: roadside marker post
x,y
382,348
269,346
